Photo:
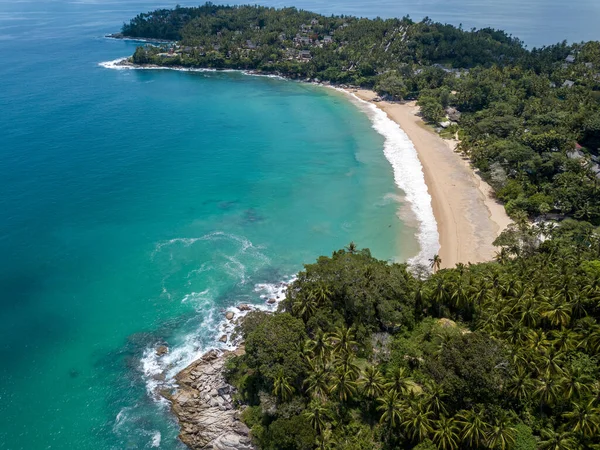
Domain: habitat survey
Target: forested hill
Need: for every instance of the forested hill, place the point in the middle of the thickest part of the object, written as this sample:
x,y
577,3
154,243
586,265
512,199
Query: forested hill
x,y
528,120
364,45
363,354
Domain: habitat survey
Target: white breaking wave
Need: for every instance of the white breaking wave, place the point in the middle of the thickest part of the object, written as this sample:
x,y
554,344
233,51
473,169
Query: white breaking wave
x,y
116,65
156,438
159,371
408,175
217,235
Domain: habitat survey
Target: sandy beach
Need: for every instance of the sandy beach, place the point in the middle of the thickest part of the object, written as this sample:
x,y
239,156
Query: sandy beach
x,y
468,217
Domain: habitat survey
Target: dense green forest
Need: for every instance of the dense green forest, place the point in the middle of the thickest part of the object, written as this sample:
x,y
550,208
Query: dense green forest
x,y
364,354
528,120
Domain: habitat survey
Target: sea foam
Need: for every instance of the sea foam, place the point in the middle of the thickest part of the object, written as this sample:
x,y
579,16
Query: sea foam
x,y
116,65
239,259
159,371
408,175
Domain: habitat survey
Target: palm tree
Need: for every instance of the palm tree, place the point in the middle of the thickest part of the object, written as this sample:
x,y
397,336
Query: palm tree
x,y
318,383
529,312
521,385
321,293
551,363
473,429
502,256
564,340
319,346
579,306
516,335
318,416
391,408
501,435
445,433
592,287
345,363
589,332
574,386
342,340
304,306
418,421
460,297
420,297
351,248
558,312
343,385
325,440
282,387
553,440
434,399
584,419
547,391
372,382
399,381
439,293
538,341
435,263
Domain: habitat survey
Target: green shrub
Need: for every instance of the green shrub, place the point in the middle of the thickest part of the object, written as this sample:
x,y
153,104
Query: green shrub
x,y
294,433
524,439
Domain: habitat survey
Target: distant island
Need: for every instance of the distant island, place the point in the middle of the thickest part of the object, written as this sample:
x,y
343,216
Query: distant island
x,y
364,354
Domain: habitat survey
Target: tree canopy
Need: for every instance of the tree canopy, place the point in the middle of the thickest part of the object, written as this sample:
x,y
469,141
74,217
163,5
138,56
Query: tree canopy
x,y
502,354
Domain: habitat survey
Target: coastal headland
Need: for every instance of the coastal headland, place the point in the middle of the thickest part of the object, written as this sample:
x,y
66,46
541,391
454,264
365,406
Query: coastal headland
x,y
468,217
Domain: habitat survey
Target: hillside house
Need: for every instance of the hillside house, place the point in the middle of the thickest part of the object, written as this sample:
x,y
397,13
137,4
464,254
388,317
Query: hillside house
x,y
302,40
305,55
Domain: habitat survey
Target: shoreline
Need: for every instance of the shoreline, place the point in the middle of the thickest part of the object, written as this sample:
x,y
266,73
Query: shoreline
x,y
468,217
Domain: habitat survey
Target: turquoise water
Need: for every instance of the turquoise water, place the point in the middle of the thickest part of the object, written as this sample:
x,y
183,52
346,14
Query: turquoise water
x,y
136,206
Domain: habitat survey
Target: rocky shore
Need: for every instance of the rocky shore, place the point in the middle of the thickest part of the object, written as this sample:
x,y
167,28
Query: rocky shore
x,y
121,36
128,63
200,397
203,405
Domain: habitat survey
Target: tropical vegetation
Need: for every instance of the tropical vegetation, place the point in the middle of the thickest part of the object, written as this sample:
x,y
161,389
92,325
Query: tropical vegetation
x,y
367,354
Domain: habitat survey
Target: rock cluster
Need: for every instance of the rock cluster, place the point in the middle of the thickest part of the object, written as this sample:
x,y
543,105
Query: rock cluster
x,y
203,406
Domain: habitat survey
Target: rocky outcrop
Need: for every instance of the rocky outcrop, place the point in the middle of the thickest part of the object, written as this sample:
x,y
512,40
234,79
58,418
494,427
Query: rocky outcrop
x,y
203,405
453,114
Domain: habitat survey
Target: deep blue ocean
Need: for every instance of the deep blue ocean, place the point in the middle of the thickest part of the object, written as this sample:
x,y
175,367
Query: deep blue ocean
x,y
136,207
